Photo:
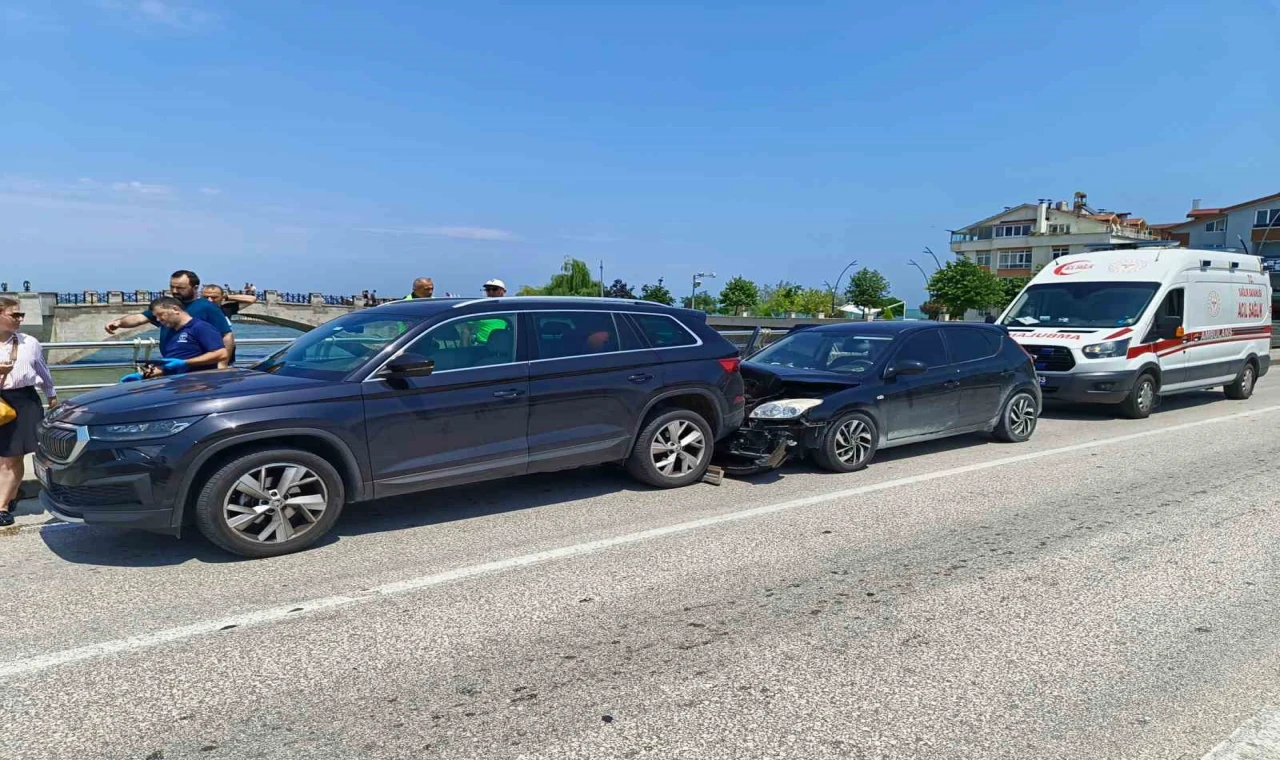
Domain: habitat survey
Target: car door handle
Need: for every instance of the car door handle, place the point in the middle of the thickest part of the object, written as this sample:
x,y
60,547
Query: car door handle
x,y
511,393
642,377
951,384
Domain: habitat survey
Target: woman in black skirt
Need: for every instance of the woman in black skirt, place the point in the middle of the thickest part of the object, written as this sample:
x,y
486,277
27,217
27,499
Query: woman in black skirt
x,y
22,368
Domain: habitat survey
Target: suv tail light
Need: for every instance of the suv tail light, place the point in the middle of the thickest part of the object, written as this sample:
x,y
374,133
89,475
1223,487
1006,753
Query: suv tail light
x,y
731,365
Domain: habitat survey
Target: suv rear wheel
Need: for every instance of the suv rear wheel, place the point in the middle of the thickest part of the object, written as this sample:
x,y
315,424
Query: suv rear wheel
x,y
673,450
270,502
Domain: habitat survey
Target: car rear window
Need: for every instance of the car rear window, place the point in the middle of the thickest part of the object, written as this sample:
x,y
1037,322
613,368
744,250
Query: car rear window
x,y
924,347
561,334
663,331
968,344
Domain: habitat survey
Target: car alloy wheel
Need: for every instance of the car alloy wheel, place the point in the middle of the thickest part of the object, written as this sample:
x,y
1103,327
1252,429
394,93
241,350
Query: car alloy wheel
x,y
275,503
853,441
678,449
1022,416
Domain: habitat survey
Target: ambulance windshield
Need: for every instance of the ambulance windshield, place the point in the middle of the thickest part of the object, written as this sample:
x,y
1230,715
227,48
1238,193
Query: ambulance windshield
x,y
1081,304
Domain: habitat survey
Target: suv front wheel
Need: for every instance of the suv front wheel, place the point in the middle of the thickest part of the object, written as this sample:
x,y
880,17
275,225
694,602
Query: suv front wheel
x,y
673,450
270,502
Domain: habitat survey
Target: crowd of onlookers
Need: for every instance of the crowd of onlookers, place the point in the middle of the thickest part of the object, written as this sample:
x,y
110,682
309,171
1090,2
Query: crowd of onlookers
x,y
195,334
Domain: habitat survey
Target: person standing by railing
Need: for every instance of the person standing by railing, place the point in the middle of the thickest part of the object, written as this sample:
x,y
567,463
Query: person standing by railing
x,y
22,368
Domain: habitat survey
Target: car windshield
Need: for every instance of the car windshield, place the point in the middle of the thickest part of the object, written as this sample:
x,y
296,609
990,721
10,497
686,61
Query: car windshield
x,y
1081,304
332,350
825,352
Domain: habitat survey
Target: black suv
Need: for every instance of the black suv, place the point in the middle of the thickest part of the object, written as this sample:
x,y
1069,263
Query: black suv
x,y
404,397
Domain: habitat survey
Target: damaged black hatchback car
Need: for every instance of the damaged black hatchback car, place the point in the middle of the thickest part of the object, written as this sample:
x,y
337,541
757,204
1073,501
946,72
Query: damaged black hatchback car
x,y
842,392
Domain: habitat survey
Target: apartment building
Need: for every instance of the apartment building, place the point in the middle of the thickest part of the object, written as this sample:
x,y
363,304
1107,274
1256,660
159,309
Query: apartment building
x,y
1255,222
1021,239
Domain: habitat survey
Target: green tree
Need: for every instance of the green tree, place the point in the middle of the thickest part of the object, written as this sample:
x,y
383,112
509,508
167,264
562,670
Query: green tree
x,y
1010,287
704,302
739,294
814,301
574,280
620,289
868,289
780,299
962,285
657,294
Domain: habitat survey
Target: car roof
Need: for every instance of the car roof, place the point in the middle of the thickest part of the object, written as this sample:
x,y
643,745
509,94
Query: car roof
x,y
425,307
897,328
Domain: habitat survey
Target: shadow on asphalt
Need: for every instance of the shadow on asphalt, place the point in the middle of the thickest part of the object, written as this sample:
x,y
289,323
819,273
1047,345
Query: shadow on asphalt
x,y
92,545
1053,411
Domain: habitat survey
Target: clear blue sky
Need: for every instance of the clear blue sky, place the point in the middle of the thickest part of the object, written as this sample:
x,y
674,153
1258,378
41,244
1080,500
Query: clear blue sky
x,y
337,145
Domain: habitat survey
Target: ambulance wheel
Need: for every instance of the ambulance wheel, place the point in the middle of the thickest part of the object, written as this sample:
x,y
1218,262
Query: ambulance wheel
x,y
1242,388
1142,398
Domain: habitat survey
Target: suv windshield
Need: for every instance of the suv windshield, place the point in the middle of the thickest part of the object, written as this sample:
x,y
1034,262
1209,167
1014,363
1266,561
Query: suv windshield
x,y
1081,304
334,349
826,352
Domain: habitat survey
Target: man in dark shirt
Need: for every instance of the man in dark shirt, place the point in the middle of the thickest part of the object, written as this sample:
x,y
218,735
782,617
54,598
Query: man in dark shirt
x,y
186,344
230,303
185,286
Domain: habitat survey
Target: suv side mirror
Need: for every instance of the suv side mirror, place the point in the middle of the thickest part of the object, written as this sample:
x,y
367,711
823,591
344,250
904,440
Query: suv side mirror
x,y
409,365
905,367
1169,328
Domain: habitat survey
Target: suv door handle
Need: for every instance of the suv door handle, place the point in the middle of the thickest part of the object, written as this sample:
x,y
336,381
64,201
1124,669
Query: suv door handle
x,y
951,384
642,377
511,393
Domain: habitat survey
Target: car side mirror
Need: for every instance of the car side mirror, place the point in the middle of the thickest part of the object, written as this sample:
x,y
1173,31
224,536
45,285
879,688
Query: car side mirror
x,y
905,367
409,365
1169,328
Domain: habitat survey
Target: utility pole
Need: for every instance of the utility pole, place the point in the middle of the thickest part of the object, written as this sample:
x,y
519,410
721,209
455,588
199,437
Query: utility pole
x,y
693,296
602,278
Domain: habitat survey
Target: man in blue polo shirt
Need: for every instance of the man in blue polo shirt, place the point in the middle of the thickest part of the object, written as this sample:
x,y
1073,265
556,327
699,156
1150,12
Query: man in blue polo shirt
x,y
186,344
185,286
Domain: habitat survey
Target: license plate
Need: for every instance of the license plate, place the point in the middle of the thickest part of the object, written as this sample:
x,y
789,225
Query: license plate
x,y
1043,379
42,474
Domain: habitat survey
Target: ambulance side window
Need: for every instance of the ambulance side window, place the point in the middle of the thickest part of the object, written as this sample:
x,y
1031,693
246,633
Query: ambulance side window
x,y
1171,308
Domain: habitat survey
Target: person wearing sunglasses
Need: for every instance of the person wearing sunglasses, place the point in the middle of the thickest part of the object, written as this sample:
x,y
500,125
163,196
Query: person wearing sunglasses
x,y
22,369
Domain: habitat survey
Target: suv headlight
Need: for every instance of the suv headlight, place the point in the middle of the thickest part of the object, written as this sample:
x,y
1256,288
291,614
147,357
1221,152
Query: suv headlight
x,y
786,409
1106,350
141,431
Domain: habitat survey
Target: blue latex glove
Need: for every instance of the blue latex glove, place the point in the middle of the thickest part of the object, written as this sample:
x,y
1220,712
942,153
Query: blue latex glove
x,y
132,377
174,366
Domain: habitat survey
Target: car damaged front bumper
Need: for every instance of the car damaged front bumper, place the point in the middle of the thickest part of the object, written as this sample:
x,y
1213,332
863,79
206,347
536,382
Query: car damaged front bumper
x,y
762,445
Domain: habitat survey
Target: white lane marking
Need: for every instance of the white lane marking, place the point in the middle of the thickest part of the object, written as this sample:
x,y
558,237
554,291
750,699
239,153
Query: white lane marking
x,y
1257,739
143,641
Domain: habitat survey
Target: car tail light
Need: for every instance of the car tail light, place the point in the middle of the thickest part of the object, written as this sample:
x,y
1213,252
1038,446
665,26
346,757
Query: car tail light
x,y
731,365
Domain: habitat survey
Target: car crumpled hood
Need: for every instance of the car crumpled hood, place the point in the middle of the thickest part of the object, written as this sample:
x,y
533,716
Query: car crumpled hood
x,y
763,382
194,394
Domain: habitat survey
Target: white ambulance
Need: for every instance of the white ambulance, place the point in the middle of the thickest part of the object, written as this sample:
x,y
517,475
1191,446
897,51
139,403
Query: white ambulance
x,y
1128,326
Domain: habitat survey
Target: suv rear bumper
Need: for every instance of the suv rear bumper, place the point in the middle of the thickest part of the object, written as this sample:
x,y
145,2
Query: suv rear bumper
x,y
1088,387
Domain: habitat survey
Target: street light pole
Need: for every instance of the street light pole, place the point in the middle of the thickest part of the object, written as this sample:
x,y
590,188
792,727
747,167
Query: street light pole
x,y
693,295
922,274
836,287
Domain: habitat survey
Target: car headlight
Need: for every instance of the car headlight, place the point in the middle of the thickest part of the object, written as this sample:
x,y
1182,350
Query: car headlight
x,y
141,431
786,409
1106,350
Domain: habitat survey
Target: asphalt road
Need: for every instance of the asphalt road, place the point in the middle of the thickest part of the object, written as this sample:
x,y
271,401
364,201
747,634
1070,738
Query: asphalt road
x,y
1108,590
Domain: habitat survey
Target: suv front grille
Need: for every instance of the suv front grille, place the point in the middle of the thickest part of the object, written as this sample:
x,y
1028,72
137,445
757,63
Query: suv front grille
x,y
93,496
58,443
1051,358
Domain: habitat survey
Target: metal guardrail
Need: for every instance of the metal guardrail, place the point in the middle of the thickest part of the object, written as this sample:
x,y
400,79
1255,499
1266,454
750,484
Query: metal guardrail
x,y
747,342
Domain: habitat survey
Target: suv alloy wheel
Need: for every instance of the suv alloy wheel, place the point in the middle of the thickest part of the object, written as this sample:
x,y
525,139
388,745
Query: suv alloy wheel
x,y
270,502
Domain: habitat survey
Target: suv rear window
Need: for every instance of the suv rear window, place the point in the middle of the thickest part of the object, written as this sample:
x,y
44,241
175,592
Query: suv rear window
x,y
562,334
663,331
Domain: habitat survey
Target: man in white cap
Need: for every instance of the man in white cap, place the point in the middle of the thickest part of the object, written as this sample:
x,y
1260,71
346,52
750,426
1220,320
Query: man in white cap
x,y
492,289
